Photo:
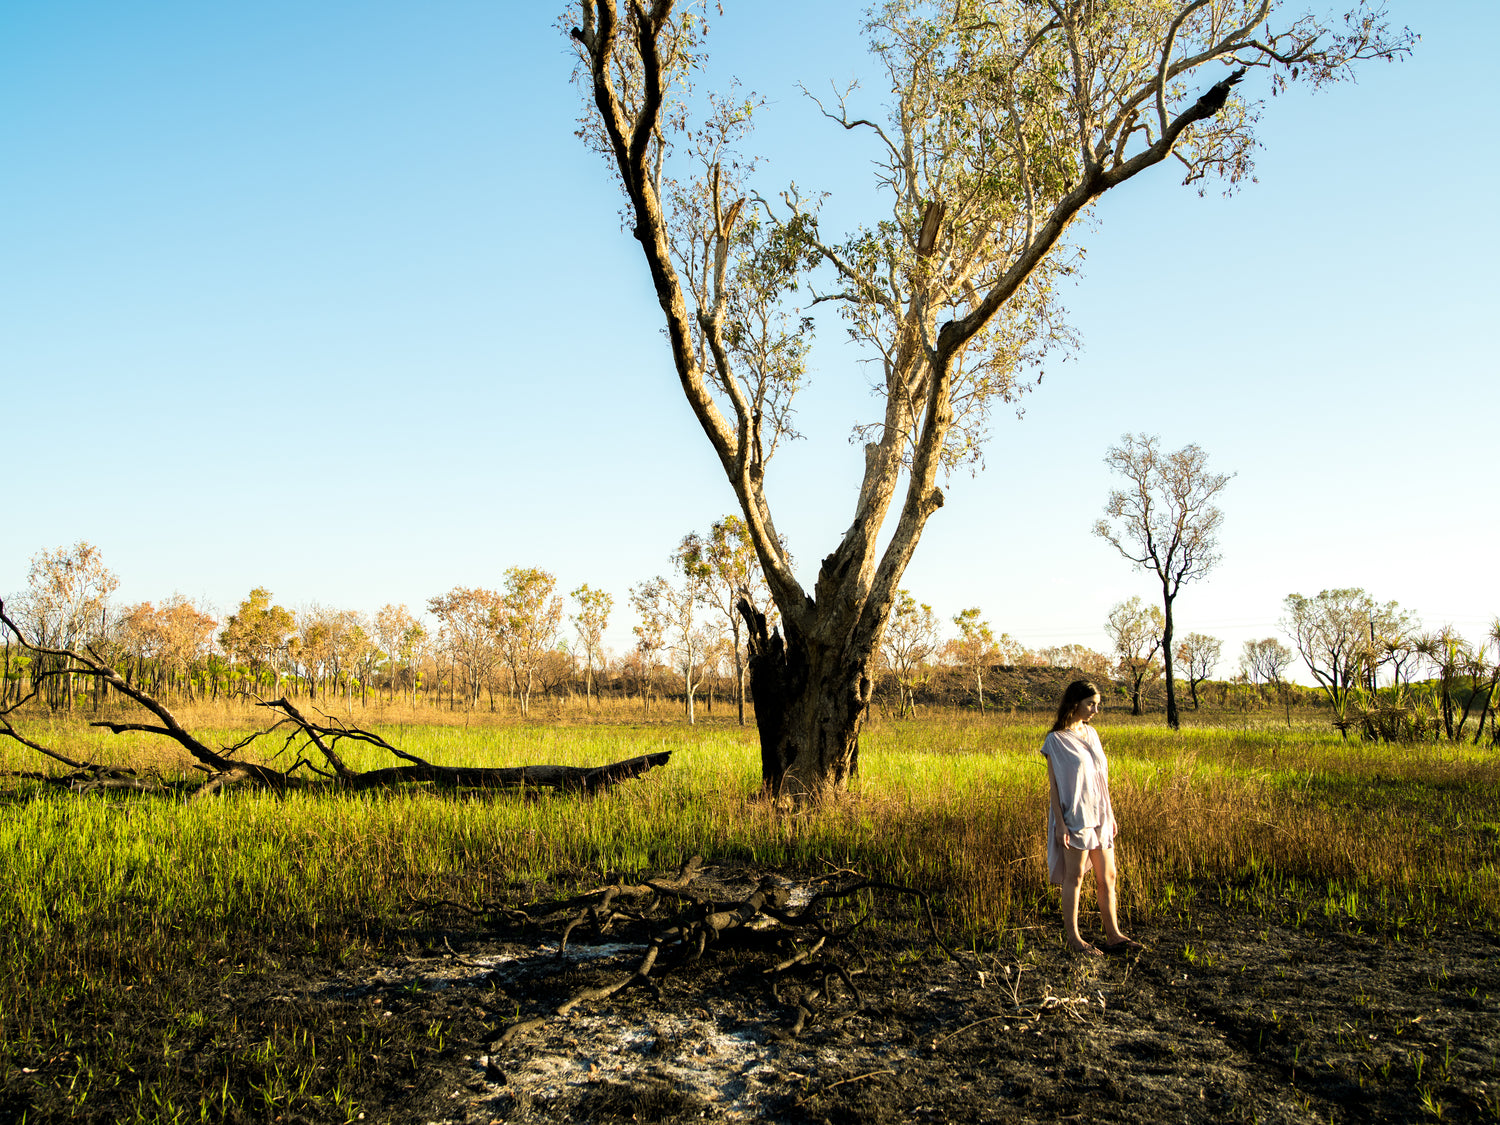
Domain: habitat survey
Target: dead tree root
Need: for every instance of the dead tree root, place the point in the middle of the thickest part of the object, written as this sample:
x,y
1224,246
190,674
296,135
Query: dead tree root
x,y
682,918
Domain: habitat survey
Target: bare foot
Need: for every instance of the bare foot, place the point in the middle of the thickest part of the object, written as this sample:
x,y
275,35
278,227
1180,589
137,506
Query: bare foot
x,y
1124,945
1085,948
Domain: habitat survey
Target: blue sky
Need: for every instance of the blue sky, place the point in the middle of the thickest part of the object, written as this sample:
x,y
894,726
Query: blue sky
x,y
328,298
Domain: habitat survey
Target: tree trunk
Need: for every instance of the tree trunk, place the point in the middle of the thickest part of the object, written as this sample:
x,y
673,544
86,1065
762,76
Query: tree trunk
x,y
1173,720
739,678
1489,697
810,702
1135,692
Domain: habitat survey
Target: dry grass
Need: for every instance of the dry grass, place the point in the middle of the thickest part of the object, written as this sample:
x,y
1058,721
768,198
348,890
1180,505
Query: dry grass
x,y
952,805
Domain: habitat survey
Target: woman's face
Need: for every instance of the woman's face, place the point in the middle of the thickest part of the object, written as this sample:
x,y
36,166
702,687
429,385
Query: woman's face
x,y
1087,709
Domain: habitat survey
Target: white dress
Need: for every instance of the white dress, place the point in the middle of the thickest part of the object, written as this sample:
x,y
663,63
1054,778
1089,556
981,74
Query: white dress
x,y
1081,772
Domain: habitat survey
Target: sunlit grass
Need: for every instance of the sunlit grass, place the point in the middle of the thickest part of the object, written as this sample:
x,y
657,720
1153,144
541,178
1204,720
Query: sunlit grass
x,y
954,807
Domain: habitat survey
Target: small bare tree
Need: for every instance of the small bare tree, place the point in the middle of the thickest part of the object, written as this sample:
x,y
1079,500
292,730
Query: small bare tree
x,y
1197,654
910,639
66,605
1136,629
974,648
670,622
469,616
1164,521
1265,662
529,617
593,615
726,568
392,624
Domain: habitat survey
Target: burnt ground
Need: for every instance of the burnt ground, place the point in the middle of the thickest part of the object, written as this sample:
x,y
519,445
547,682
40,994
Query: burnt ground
x,y
1221,1017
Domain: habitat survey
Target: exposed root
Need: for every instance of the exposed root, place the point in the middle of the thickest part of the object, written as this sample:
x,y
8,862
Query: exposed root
x,y
811,988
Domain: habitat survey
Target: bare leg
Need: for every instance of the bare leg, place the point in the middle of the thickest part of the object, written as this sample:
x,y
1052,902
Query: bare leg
x,y
1103,860
1072,884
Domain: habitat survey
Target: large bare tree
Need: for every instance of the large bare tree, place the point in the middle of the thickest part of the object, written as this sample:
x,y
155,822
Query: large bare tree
x,y
1164,521
1006,120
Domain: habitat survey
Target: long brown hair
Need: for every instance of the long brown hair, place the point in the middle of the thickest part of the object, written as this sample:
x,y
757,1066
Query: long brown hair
x,y
1076,693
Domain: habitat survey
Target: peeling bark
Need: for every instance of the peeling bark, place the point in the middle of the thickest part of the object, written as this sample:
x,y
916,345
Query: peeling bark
x,y
810,703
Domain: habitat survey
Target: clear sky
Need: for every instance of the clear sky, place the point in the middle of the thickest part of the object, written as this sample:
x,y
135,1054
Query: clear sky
x,y
328,298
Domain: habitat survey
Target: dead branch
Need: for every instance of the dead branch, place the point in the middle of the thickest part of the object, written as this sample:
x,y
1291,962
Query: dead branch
x,y
841,1082
583,779
756,917
225,771
91,779
88,663
10,732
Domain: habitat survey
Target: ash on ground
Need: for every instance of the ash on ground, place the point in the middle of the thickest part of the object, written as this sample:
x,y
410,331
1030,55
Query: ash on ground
x,y
1222,1018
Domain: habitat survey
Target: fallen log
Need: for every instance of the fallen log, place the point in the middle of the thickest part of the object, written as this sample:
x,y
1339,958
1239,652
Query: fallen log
x,y
224,770
578,779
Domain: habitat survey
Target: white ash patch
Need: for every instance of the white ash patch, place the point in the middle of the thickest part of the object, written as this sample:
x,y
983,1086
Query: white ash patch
x,y
727,1072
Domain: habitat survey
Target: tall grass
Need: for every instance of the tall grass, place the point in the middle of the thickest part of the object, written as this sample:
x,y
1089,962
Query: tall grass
x,y
953,807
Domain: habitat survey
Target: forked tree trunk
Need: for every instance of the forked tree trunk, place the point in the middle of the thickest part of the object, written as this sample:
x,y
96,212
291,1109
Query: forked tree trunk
x,y
810,703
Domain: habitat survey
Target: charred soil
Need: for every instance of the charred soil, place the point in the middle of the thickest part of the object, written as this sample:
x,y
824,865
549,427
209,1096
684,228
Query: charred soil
x,y
1285,1015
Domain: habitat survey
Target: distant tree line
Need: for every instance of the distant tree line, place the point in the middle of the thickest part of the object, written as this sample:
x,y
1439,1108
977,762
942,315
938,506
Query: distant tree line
x,y
474,648
1378,671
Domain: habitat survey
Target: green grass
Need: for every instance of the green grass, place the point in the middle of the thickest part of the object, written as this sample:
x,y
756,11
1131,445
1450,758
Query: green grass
x,y
950,806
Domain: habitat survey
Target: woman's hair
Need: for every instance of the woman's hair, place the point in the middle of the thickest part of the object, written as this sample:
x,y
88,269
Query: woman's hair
x,y
1077,692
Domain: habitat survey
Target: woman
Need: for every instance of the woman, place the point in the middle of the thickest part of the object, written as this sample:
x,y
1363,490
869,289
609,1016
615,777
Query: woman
x,y
1081,821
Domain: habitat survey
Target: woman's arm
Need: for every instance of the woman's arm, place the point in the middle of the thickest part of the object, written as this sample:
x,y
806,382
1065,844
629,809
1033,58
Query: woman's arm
x,y
1060,826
